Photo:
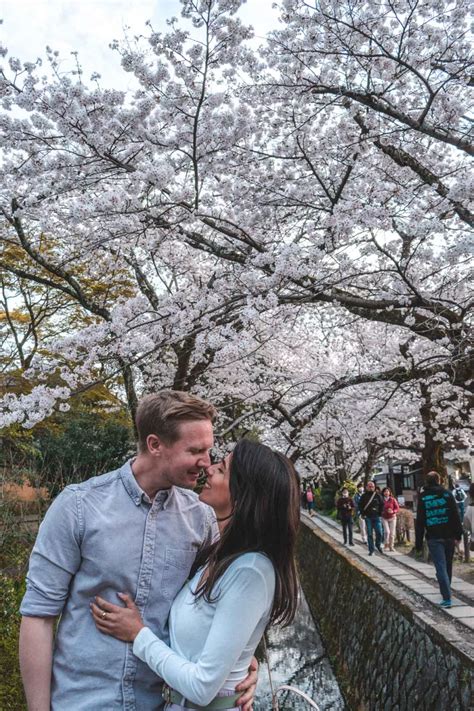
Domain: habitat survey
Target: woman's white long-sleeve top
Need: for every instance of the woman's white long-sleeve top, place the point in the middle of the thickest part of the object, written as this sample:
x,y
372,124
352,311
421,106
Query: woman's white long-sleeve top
x,y
212,643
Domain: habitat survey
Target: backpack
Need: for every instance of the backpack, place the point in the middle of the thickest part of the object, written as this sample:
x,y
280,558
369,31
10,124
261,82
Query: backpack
x,y
459,495
309,496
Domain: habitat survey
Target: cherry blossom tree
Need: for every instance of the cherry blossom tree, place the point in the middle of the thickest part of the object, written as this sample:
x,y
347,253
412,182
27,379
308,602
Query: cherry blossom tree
x,y
285,231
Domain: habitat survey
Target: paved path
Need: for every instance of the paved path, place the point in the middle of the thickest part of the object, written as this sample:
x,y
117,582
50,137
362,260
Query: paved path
x,y
417,576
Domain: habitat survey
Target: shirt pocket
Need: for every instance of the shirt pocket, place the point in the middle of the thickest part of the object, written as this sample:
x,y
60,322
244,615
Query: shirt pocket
x,y
178,563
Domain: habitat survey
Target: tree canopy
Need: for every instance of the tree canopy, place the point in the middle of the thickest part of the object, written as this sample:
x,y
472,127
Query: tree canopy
x,y
284,229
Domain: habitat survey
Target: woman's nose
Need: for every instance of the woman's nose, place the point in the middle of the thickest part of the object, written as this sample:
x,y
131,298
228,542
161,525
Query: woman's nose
x,y
210,472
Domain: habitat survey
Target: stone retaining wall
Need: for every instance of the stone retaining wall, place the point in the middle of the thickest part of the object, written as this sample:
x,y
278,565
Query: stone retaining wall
x,y
390,653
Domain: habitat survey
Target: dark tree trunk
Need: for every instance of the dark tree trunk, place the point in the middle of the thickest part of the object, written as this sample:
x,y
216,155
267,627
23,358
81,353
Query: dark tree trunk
x,y
372,454
433,452
183,353
132,400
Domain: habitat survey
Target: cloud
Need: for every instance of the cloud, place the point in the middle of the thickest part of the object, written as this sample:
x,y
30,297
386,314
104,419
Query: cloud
x,y
85,26
88,27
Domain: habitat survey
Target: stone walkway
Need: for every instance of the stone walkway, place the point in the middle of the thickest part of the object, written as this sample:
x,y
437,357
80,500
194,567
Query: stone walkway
x,y
419,577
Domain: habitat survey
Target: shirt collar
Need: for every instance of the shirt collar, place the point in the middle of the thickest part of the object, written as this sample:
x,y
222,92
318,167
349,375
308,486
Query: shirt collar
x,y
136,493
130,483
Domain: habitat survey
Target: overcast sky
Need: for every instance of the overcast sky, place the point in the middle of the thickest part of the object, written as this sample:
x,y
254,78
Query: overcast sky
x,y
88,26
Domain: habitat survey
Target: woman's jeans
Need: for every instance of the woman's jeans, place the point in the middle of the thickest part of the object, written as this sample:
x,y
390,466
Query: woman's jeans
x,y
374,524
347,530
442,552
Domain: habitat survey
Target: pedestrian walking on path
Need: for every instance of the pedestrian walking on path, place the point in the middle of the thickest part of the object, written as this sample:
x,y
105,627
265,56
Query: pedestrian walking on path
x,y
304,503
359,519
371,507
345,511
389,518
468,520
437,516
460,499
310,500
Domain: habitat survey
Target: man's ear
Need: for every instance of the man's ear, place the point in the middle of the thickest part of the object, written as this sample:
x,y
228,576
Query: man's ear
x,y
154,445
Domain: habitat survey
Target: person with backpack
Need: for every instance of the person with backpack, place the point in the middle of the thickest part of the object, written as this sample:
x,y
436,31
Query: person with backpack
x,y
460,498
468,521
371,507
437,516
310,500
345,510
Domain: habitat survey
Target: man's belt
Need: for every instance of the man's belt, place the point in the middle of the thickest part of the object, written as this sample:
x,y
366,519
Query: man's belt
x,y
220,703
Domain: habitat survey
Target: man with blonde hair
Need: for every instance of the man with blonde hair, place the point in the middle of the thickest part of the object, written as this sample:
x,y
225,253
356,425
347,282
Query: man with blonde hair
x,y
137,529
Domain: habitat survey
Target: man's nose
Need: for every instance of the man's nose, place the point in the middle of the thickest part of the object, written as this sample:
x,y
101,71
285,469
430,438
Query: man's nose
x,y
205,460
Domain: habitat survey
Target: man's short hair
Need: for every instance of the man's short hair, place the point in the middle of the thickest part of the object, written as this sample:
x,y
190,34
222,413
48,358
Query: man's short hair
x,y
432,479
161,414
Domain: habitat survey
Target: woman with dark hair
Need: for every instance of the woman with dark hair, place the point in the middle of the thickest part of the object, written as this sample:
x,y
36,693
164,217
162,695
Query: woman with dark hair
x,y
389,518
244,581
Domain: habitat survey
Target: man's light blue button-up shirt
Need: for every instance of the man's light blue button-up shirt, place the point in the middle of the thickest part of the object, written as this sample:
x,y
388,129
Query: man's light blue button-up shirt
x,y
98,538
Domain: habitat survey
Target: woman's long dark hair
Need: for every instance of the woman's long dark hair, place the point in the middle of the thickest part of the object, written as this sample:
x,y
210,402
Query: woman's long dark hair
x,y
264,489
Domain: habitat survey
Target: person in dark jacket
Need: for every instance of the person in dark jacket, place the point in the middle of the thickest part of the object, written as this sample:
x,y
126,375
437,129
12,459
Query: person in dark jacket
x,y
438,516
345,510
371,507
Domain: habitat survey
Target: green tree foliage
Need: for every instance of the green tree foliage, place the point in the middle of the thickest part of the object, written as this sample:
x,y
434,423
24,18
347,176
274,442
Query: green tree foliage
x,y
11,690
84,444
324,498
351,487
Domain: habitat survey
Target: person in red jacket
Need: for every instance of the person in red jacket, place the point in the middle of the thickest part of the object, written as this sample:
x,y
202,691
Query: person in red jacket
x,y
389,518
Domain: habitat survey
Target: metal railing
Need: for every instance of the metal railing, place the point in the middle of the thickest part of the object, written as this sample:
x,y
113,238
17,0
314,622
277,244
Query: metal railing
x,y
283,687
293,690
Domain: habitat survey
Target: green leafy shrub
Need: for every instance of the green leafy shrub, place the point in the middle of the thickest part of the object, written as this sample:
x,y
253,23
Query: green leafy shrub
x,y
327,498
318,499
86,444
12,588
351,487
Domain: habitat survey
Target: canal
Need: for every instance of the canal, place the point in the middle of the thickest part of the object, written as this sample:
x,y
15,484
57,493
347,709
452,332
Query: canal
x,y
298,658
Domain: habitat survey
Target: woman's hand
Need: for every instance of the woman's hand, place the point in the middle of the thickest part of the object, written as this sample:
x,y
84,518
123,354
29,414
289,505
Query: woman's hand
x,y
121,622
248,687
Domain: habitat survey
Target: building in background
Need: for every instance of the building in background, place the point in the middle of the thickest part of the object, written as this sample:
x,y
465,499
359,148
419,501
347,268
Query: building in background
x,y
405,478
460,465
